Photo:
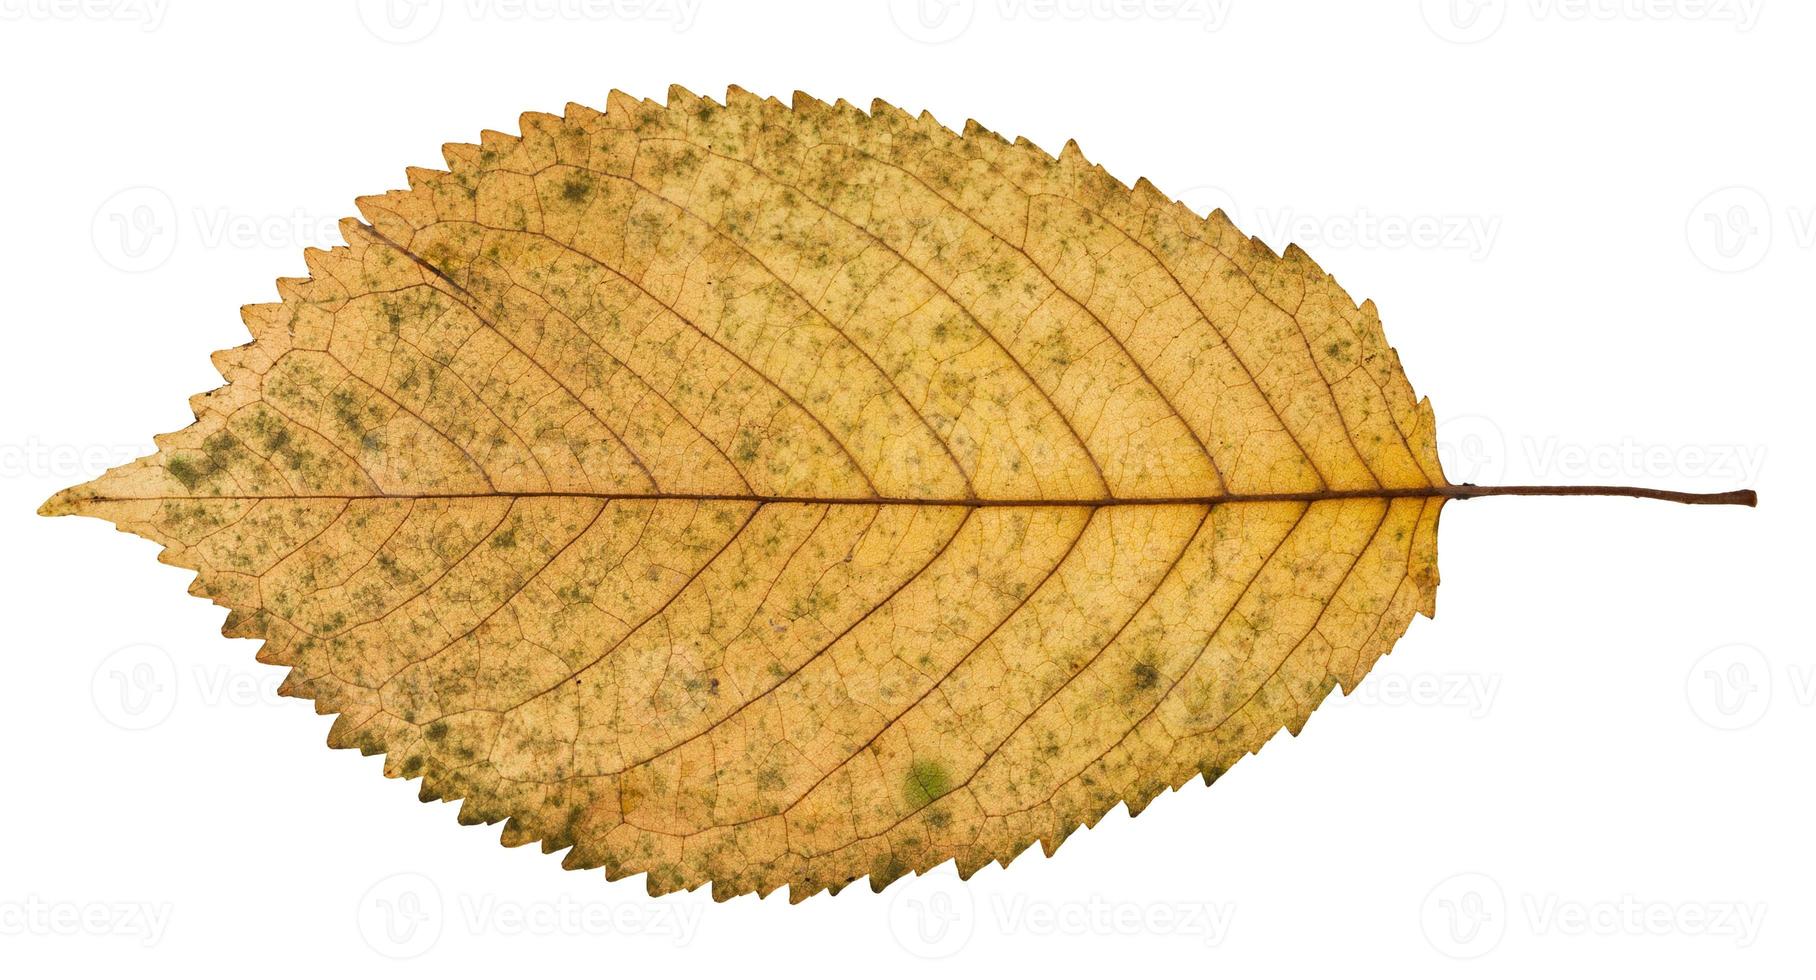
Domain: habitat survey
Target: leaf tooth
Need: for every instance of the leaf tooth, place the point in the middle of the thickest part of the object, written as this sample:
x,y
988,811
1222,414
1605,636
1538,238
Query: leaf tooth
x,y
496,142
578,860
969,863
460,156
805,104
394,763
1261,248
539,123
1040,156
1049,843
680,99
472,813
515,834
290,288
375,209
423,177
737,96
319,262
1016,850
204,404
247,361
351,230
620,103
579,114
883,110
1296,256
975,128
342,734
261,319
807,890
292,685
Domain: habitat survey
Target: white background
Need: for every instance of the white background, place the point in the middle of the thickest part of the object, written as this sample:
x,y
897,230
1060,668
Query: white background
x,y
1590,230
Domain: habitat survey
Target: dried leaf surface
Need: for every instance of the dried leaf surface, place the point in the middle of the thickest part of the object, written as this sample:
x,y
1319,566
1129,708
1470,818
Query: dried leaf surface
x,y
776,495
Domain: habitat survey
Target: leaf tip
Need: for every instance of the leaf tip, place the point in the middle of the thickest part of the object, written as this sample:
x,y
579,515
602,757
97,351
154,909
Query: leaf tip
x,y
63,503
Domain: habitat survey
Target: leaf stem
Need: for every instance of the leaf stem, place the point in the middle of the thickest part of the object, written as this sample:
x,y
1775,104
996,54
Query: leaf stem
x,y
1465,491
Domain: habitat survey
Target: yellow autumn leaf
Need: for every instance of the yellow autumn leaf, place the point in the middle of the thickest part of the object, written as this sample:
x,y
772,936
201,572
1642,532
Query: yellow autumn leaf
x,y
776,495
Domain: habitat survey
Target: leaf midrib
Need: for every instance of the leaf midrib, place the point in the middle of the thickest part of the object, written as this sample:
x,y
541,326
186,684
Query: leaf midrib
x,y
1300,496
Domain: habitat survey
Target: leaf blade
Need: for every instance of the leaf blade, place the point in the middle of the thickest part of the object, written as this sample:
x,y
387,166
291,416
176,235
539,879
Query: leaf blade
x,y
919,415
